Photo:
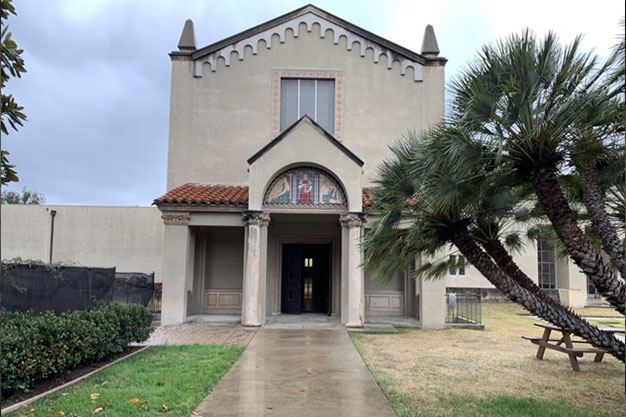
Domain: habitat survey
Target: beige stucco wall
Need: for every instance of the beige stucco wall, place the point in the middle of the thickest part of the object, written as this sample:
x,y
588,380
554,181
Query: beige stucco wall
x,y
570,281
373,284
224,258
221,119
129,238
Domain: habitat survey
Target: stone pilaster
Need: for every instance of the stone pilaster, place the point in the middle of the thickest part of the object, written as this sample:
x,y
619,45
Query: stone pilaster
x,y
178,252
353,279
252,312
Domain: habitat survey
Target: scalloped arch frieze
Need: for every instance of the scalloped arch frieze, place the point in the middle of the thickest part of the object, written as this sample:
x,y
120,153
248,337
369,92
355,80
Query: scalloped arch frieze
x,y
309,19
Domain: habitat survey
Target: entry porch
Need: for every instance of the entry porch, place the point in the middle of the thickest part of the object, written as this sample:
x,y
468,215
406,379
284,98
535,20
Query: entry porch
x,y
219,266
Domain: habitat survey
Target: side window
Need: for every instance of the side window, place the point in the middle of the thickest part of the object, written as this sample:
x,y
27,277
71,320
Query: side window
x,y
546,264
460,269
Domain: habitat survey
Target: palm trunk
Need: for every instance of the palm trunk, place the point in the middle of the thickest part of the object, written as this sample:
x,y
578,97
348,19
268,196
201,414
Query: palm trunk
x,y
557,208
515,292
567,319
593,199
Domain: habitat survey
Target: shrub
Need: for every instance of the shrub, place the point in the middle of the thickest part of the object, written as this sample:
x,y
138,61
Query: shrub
x,y
41,346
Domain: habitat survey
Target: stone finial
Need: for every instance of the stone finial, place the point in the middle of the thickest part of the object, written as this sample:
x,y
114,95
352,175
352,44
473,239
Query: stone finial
x,y
187,40
429,43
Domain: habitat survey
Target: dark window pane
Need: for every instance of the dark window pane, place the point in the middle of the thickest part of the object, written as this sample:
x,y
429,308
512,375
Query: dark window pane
x,y
307,98
326,104
288,103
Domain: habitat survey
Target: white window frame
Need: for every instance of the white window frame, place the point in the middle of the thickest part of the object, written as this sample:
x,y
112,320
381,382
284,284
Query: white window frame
x,y
551,284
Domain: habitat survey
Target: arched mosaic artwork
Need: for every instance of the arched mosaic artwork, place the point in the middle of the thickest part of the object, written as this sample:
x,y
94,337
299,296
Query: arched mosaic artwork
x,y
304,187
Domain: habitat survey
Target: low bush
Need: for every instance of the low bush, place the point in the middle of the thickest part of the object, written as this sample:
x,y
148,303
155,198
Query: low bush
x,y
40,346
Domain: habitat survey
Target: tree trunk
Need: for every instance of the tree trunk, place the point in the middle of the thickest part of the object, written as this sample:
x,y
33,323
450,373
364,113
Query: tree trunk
x,y
593,198
515,292
566,318
557,208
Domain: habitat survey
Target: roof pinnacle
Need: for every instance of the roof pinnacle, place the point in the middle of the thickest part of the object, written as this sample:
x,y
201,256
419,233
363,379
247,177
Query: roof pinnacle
x,y
187,40
429,43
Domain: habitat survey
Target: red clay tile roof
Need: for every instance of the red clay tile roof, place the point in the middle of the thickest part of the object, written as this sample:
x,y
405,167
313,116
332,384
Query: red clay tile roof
x,y
367,197
219,195
208,195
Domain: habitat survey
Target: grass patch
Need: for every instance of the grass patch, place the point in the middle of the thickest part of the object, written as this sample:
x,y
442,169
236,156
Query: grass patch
x,y
599,312
461,372
608,323
167,380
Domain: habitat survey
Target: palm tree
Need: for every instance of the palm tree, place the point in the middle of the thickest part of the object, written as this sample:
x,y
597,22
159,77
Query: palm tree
x,y
592,146
525,98
444,187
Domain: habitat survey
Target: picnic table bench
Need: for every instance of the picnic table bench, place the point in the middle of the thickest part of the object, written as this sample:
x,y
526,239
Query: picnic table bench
x,y
565,344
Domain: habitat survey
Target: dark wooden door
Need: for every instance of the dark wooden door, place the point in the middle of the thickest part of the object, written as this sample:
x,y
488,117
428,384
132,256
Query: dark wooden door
x,y
292,279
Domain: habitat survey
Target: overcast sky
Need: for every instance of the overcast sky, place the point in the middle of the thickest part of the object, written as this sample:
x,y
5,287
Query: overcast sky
x,y
97,88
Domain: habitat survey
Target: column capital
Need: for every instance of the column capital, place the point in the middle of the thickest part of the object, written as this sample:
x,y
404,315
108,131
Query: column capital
x,y
256,218
352,219
176,218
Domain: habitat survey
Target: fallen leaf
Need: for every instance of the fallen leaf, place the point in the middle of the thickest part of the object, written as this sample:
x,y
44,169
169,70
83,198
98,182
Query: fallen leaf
x,y
98,409
31,411
59,414
302,390
133,401
104,383
164,408
94,396
269,408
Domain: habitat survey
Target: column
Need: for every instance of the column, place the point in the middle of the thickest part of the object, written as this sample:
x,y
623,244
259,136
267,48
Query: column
x,y
254,271
177,267
352,272
432,303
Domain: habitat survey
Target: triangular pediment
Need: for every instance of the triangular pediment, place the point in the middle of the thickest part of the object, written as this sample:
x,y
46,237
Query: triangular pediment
x,y
320,135
310,15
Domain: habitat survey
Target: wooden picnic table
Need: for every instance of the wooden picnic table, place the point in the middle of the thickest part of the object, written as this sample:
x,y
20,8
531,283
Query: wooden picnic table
x,y
565,344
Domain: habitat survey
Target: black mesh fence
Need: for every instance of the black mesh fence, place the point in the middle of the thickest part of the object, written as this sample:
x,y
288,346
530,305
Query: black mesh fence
x,y
133,287
42,287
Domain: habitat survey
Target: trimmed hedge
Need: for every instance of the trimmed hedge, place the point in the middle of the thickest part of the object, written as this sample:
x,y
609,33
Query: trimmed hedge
x,y
40,346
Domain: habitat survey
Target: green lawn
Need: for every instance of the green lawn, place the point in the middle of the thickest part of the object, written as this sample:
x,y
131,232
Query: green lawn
x,y
490,373
166,380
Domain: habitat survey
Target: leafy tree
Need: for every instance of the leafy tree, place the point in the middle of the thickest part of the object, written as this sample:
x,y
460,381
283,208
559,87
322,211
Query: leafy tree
x,y
12,66
26,197
546,109
449,188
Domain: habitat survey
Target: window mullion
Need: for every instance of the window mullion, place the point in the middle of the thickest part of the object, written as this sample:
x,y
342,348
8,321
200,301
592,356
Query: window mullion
x,y
315,103
298,99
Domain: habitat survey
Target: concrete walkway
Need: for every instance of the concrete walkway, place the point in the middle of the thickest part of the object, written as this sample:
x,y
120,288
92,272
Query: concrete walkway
x,y
298,373
200,333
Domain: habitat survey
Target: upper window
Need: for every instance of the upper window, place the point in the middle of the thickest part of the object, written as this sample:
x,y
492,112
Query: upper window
x,y
305,187
546,264
313,97
460,265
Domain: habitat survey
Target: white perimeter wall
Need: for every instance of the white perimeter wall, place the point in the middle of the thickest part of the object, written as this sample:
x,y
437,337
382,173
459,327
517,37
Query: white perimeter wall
x,y
129,238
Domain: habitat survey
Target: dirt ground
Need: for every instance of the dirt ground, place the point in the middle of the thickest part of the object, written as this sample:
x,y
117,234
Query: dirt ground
x,y
427,365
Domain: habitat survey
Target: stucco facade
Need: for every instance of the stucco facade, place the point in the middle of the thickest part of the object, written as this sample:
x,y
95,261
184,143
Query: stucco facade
x,y
258,220
226,135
